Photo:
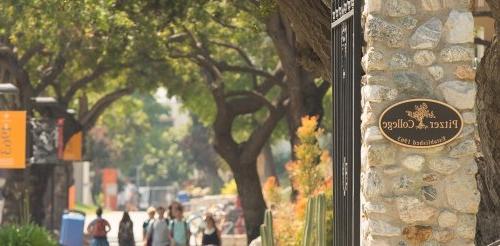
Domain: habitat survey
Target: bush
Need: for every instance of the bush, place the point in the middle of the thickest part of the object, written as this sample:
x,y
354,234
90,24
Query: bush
x,y
25,235
311,175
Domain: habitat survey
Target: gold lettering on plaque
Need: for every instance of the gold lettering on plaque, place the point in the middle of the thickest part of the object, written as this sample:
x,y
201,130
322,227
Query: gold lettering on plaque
x,y
421,123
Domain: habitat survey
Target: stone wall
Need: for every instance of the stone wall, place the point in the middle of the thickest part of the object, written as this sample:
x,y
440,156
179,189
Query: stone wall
x,y
418,49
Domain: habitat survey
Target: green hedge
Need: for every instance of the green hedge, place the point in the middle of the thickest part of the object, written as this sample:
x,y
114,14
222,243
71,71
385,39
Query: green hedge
x,y
25,235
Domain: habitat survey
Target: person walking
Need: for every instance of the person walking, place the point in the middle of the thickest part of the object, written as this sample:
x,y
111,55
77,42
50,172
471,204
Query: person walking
x,y
126,231
99,229
158,233
211,234
178,226
151,216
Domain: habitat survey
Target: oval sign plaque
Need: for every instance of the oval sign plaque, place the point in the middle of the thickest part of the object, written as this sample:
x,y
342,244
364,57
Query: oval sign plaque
x,y
421,123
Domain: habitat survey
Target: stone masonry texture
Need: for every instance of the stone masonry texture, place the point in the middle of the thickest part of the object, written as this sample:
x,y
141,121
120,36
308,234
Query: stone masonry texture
x,y
418,49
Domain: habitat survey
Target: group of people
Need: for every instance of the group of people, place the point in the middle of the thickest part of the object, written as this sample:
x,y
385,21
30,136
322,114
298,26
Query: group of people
x,y
170,230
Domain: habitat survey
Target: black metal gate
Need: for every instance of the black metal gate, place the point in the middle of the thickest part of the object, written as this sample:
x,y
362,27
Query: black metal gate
x,y
346,67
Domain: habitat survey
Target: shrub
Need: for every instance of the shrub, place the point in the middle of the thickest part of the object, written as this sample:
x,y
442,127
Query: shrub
x,y
311,174
272,193
25,235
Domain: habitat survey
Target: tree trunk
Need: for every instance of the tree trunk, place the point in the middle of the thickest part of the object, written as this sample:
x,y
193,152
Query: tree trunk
x,y
242,156
13,193
35,188
306,98
310,21
40,174
57,201
250,193
488,108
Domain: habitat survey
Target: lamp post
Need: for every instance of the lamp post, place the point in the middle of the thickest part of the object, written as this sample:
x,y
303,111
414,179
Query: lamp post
x,y
51,160
46,107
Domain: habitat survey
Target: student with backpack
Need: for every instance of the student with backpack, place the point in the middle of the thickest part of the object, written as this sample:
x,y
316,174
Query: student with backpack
x,y
126,231
179,228
151,217
211,234
99,229
158,232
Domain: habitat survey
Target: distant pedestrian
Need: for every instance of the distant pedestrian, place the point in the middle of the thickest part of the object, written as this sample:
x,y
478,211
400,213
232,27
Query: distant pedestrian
x,y
99,229
178,226
126,231
151,216
158,232
211,234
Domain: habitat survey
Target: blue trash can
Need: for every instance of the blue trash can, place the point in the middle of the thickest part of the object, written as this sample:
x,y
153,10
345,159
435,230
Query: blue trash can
x,y
72,228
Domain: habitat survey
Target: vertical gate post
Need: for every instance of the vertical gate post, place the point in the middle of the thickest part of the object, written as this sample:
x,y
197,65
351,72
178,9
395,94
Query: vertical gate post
x,y
346,71
419,189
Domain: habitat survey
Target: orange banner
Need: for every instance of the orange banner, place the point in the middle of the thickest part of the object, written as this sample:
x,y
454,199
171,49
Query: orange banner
x,y
73,148
71,197
12,139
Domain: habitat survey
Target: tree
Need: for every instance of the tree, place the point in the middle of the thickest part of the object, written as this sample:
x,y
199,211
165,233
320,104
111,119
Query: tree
x,y
142,133
488,218
71,47
306,91
245,87
241,157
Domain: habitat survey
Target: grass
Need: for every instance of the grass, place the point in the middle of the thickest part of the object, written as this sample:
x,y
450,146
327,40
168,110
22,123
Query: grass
x,y
87,209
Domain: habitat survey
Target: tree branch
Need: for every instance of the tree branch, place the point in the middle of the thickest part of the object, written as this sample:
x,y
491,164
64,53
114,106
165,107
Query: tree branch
x,y
240,106
279,75
203,58
20,75
51,73
240,51
89,119
224,67
261,134
58,89
255,2
176,38
194,42
36,48
482,14
82,82
482,42
249,98
199,46
224,142
222,23
242,54
178,55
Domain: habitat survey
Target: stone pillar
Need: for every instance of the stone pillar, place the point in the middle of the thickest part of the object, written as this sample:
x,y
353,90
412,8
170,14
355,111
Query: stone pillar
x,y
418,49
